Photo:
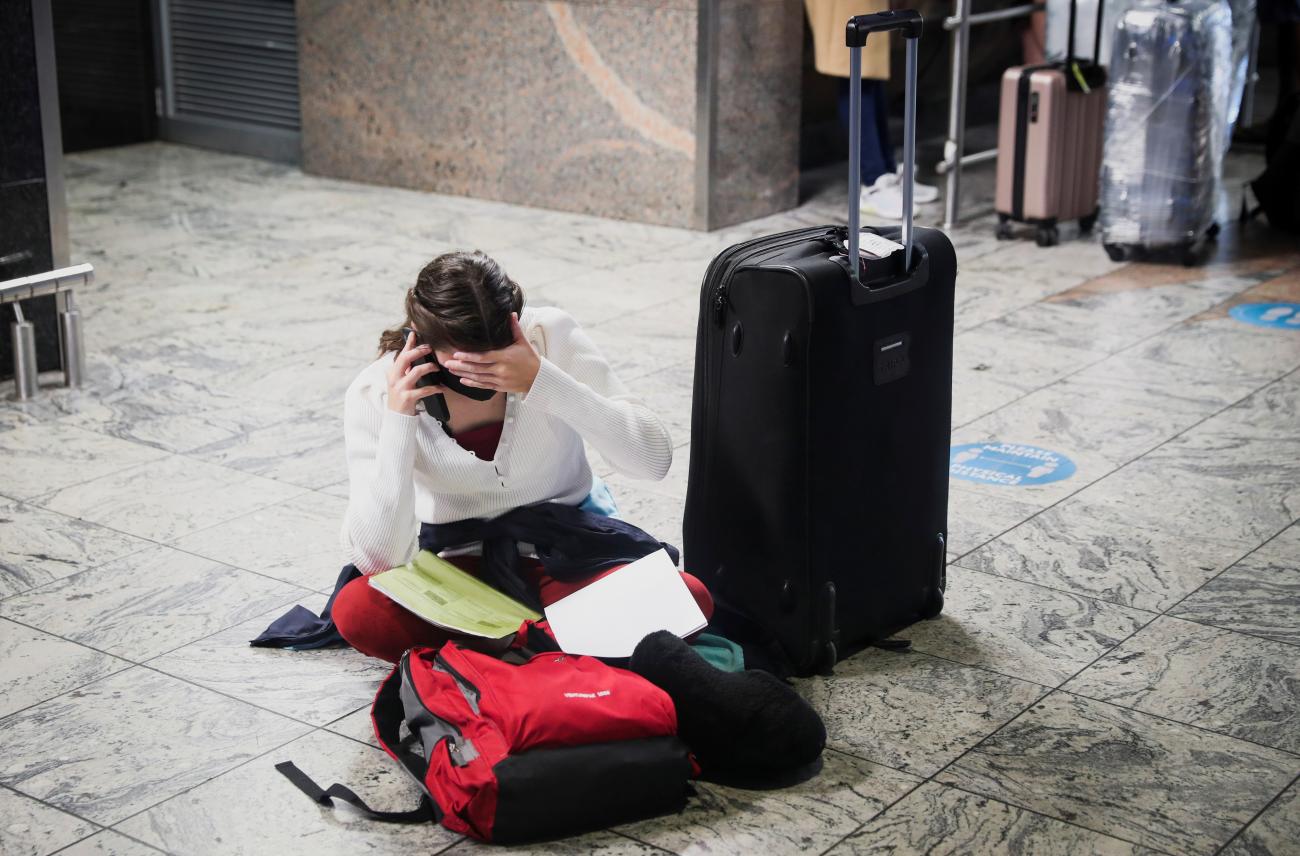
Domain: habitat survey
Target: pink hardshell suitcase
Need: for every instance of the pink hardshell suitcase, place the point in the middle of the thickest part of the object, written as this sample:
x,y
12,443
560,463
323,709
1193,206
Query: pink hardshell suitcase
x,y
1050,143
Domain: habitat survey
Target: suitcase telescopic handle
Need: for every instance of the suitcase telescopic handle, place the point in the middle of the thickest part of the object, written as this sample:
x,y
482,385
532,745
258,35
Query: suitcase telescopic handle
x,y
856,32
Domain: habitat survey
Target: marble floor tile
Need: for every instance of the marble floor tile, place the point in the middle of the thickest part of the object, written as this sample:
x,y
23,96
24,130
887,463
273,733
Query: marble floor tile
x,y
668,393
253,809
1125,773
1226,344
1060,324
912,711
168,498
991,370
1270,413
600,296
296,541
1259,595
171,414
975,518
943,821
109,843
649,341
1150,385
12,416
1071,263
31,828
127,741
356,725
1151,493
38,666
37,546
1276,830
1081,426
306,450
1070,548
603,843
1215,679
534,266
310,381
1025,631
147,603
1166,303
41,458
808,817
1264,462
315,687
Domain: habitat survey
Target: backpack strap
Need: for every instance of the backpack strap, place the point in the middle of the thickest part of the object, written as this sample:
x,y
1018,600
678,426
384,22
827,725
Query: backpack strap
x,y
426,812
387,714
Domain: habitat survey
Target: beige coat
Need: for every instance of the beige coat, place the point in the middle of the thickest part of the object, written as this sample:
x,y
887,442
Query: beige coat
x,y
827,18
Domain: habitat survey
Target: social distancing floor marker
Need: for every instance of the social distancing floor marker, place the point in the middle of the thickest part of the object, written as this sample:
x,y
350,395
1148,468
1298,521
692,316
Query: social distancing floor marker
x,y
1285,316
1016,464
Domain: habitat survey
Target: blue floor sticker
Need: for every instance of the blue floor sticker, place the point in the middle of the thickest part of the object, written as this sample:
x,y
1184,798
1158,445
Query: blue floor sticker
x,y
1283,315
1008,463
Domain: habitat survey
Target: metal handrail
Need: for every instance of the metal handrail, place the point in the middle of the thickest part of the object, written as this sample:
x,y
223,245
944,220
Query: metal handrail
x,y
954,158
61,284
44,284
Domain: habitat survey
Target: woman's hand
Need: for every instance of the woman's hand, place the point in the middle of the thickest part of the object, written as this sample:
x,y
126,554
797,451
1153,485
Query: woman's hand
x,y
402,392
509,369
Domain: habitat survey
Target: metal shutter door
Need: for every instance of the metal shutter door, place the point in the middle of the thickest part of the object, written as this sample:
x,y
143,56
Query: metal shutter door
x,y
230,75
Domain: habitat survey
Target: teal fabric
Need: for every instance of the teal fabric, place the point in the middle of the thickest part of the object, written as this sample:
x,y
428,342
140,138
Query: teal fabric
x,y
719,652
600,500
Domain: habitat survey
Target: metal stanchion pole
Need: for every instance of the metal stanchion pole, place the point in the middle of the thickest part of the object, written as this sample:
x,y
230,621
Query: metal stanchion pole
x,y
955,145
74,356
23,335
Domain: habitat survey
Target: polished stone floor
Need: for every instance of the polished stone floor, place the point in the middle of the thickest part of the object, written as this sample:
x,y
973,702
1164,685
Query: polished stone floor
x,y
1117,669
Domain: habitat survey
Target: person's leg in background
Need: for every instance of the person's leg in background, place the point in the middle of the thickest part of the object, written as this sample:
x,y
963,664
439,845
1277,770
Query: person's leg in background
x,y
880,194
873,158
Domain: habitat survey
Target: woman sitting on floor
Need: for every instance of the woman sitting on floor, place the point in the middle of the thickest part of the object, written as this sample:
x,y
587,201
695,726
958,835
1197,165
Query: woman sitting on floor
x,y
415,482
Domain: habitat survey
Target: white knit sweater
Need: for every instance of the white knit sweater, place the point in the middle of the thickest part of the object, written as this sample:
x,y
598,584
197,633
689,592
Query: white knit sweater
x,y
405,469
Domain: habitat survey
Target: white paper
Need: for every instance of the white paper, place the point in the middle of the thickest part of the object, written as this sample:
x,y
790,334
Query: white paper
x,y
610,616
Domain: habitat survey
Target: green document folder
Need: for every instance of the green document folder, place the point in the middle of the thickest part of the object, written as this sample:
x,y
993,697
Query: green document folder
x,y
444,595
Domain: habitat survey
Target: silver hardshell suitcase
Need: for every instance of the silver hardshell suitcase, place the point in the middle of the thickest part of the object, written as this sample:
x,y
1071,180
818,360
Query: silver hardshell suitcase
x,y
1166,128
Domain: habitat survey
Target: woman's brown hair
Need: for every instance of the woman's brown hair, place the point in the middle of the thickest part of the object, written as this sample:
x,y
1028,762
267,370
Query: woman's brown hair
x,y
459,301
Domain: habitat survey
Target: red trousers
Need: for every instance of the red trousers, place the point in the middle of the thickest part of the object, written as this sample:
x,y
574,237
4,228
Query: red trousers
x,y
375,625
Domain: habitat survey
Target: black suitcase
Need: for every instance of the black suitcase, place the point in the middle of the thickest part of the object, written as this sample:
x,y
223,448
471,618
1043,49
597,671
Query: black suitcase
x,y
816,509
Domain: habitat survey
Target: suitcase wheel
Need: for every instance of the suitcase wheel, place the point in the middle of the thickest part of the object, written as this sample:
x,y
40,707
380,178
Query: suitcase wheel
x,y
1117,252
829,657
1047,236
1086,223
1002,231
933,604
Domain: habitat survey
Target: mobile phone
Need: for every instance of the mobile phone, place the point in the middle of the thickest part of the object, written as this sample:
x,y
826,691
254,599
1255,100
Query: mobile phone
x,y
434,405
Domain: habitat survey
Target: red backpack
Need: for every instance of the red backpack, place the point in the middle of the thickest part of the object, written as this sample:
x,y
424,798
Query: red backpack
x,y
550,744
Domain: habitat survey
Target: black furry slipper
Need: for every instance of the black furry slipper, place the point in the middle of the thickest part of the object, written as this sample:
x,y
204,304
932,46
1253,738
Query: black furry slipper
x,y
738,724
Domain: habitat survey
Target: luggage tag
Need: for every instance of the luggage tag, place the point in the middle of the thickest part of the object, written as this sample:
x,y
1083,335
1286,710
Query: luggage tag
x,y
879,257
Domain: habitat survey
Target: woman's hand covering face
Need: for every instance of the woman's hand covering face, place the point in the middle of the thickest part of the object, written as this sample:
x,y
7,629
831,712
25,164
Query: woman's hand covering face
x,y
509,369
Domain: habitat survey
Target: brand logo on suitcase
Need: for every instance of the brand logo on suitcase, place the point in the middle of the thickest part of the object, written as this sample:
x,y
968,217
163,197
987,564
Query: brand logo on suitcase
x,y
891,360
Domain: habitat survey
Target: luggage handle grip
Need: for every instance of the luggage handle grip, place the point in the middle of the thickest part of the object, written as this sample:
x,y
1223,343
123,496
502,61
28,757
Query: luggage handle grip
x,y
859,26
855,37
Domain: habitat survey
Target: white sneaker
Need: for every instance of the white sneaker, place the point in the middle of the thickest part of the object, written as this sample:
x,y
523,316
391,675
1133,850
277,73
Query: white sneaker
x,y
884,199
921,193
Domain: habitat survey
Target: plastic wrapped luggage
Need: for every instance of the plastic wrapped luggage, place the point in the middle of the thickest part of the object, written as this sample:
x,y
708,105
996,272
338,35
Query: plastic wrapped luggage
x,y
1166,128
817,504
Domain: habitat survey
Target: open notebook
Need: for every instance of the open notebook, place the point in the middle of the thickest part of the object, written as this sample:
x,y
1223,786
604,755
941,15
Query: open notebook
x,y
610,616
445,596
605,619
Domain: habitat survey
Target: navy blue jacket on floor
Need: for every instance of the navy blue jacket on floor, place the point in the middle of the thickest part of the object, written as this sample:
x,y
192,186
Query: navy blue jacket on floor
x,y
571,544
